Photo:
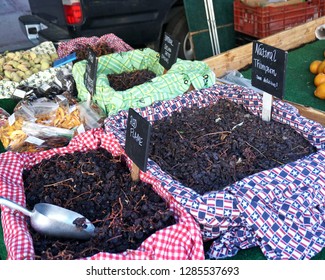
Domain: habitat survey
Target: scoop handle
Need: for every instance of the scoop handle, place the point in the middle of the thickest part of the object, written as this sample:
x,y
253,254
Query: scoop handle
x,y
14,205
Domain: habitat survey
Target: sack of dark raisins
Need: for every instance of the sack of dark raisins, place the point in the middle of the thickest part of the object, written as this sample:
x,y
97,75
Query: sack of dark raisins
x,y
136,79
247,182
133,220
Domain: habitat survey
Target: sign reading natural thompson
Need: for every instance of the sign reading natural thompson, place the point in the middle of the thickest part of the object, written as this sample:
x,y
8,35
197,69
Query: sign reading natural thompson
x,y
269,69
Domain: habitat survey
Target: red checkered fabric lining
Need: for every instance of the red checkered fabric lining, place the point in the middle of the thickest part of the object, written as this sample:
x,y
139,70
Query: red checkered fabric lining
x,y
182,241
117,44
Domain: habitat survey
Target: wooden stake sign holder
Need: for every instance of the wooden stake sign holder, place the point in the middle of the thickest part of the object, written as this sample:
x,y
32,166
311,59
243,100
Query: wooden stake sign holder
x,y
267,107
135,172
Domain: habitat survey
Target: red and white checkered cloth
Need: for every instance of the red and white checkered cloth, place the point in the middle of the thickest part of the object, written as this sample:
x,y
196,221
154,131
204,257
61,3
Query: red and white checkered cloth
x,y
182,241
116,43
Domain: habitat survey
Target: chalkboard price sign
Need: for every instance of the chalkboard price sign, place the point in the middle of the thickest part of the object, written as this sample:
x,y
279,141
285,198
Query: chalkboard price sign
x,y
91,72
137,139
269,69
169,51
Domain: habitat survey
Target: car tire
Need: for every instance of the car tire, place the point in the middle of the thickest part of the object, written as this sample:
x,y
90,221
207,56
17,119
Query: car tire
x,y
178,29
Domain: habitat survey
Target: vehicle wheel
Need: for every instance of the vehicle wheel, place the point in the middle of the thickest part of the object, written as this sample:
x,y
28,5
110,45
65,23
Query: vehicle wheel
x,y
178,29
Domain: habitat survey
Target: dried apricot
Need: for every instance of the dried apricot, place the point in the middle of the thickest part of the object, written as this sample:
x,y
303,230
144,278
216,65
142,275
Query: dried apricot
x,y
319,79
313,67
320,91
321,67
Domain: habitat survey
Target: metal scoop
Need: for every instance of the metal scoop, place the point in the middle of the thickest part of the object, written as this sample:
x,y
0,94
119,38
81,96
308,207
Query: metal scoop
x,y
55,221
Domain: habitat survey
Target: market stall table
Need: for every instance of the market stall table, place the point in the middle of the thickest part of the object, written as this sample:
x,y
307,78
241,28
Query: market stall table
x,y
292,85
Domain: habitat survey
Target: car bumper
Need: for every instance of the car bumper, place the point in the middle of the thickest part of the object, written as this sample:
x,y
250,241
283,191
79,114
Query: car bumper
x,y
39,30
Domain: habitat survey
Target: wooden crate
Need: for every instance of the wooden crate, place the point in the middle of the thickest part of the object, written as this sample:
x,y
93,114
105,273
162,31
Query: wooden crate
x,y
265,20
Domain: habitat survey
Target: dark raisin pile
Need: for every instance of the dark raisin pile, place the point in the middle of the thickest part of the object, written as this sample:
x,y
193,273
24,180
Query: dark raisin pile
x,y
210,148
127,80
99,49
99,187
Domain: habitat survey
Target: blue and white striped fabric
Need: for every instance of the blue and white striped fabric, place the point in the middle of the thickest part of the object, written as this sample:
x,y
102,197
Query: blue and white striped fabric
x,y
281,210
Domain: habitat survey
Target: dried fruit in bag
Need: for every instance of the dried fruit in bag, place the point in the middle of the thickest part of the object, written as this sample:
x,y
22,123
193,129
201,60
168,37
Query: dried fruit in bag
x,y
11,135
3,116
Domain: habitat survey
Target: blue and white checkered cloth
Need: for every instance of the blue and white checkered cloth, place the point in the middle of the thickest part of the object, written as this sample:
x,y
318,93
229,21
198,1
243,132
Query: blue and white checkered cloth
x,y
281,210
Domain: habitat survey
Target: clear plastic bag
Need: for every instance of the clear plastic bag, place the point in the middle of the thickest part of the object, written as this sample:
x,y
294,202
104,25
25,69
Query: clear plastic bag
x,y
33,137
90,114
237,78
45,131
4,115
42,118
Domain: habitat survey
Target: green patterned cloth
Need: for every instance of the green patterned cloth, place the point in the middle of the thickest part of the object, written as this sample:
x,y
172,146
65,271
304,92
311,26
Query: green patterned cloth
x,y
176,81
